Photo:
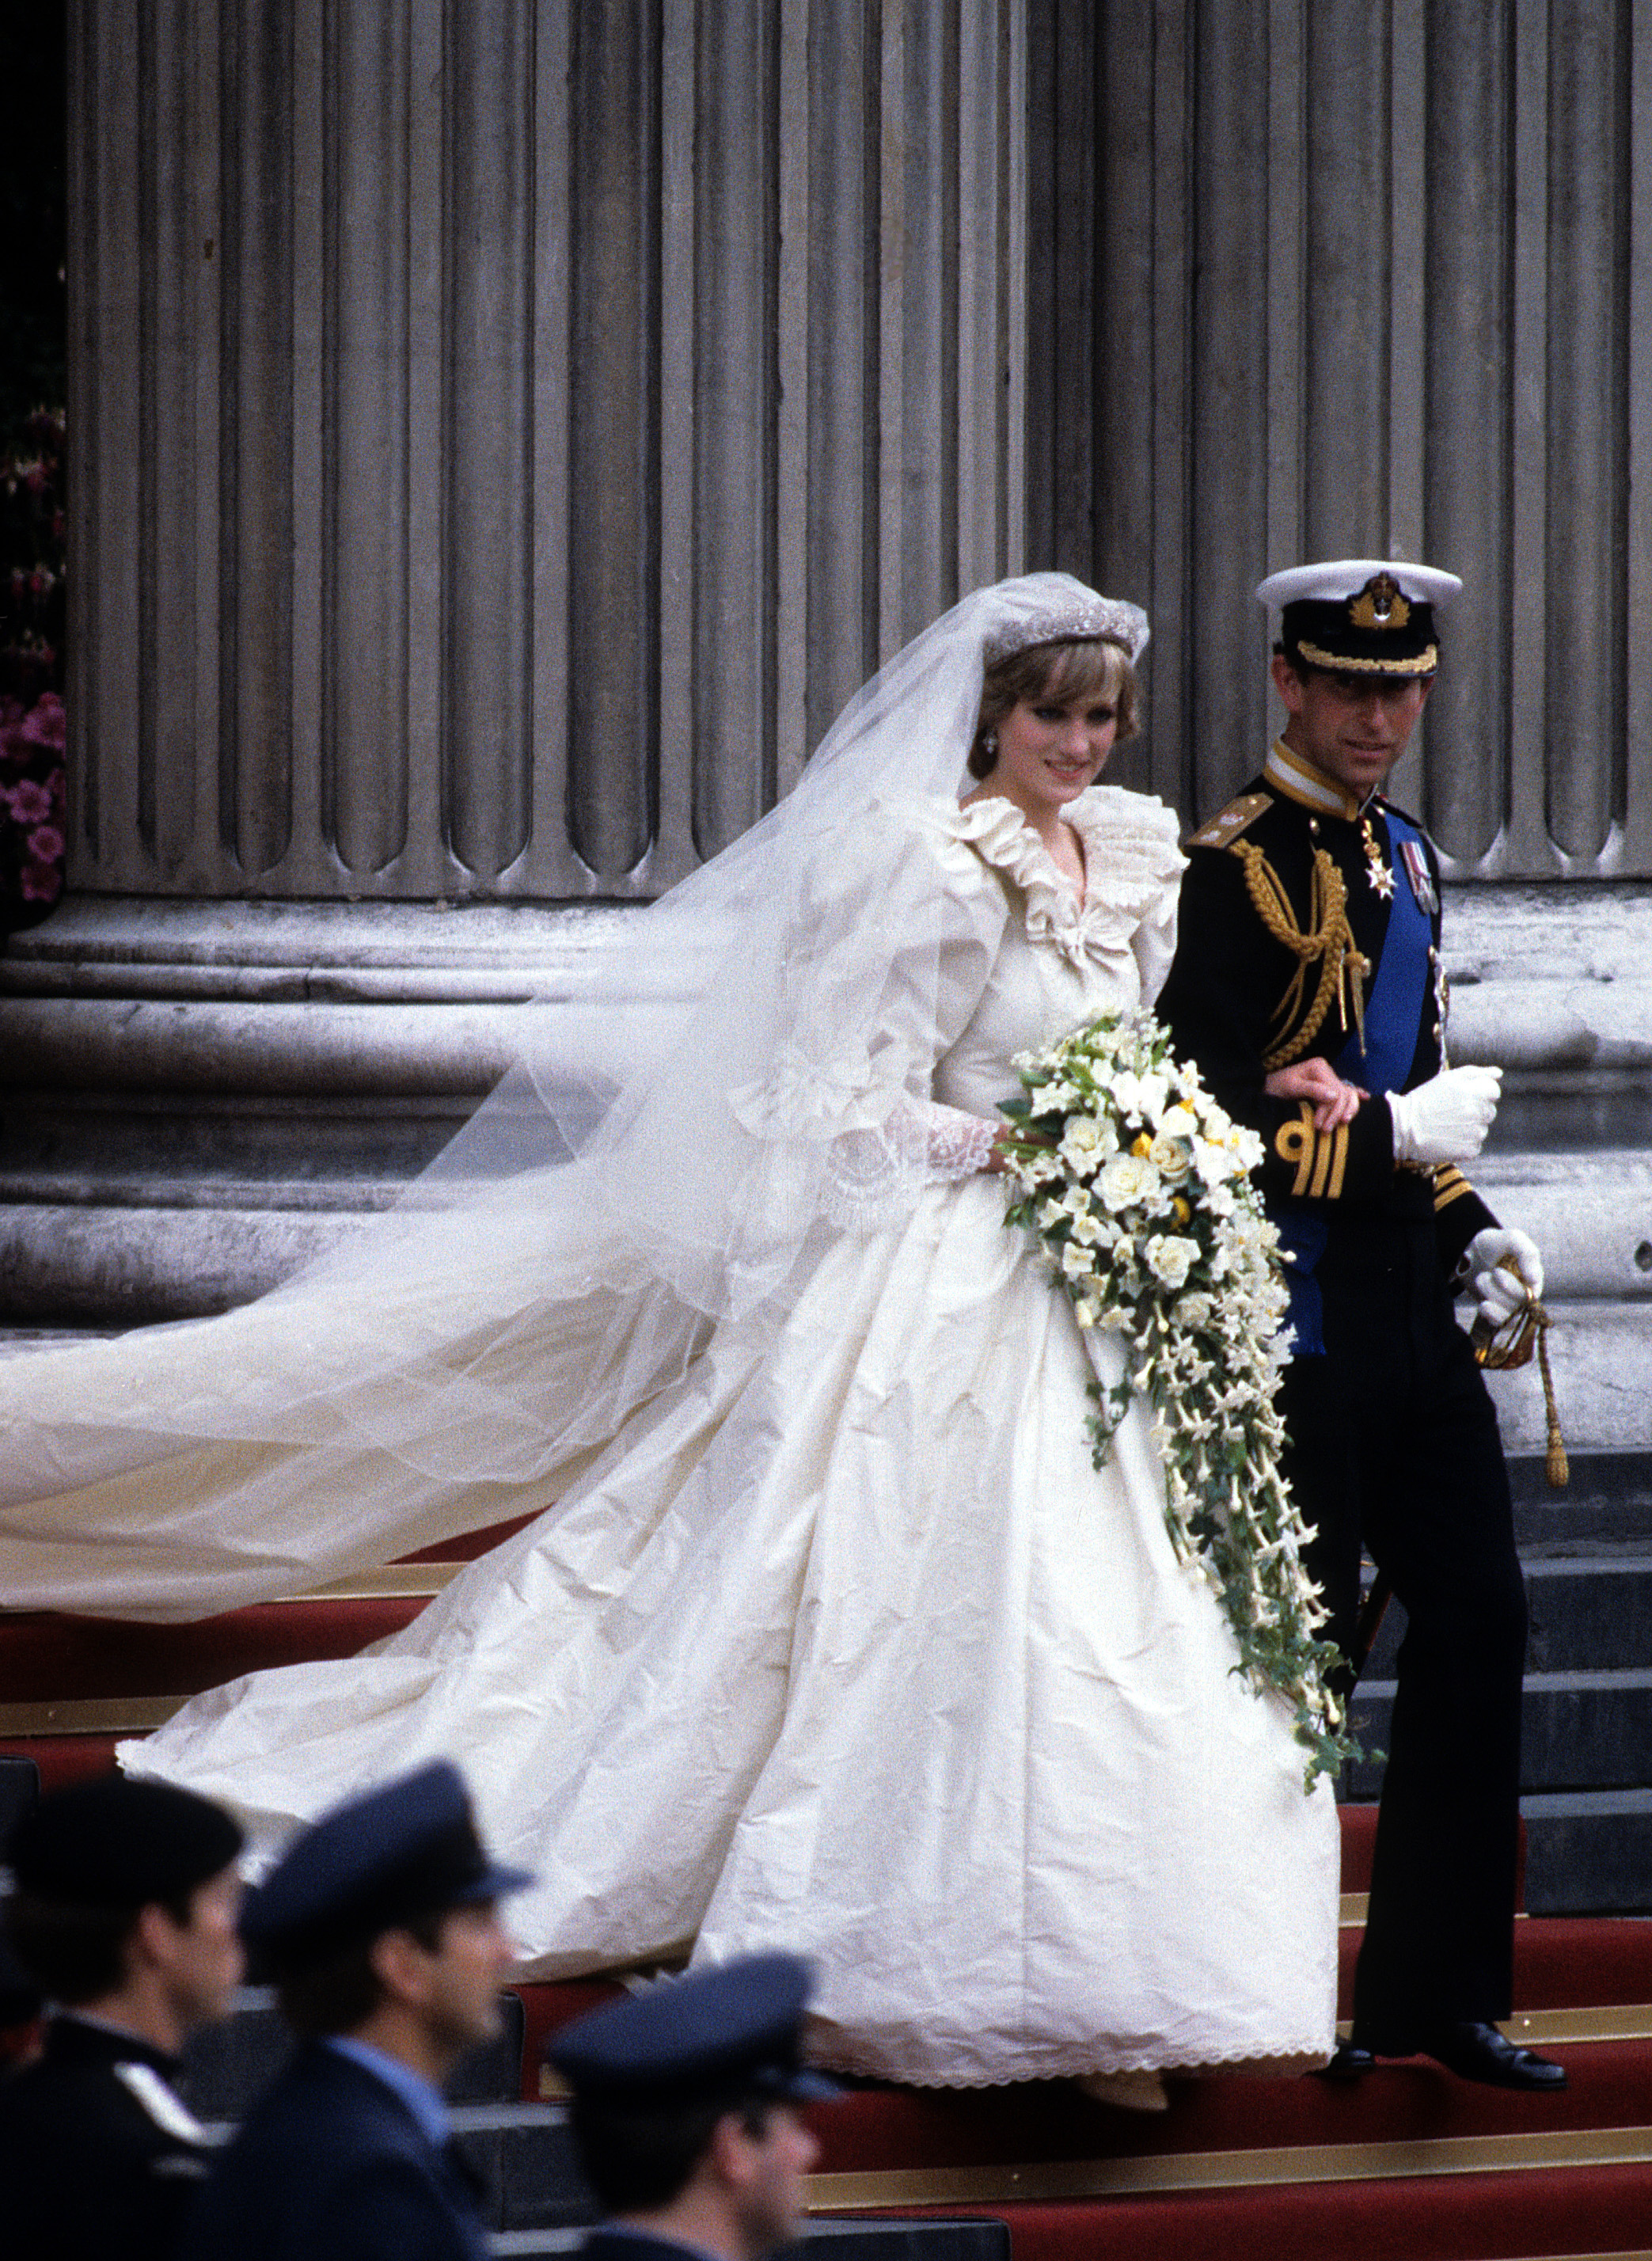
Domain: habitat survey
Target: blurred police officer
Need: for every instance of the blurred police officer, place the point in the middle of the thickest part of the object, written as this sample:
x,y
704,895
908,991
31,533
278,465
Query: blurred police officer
x,y
380,1930
123,1910
1309,987
686,2112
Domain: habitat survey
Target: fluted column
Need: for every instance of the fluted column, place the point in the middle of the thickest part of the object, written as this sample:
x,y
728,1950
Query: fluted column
x,y
1367,279
512,431
505,435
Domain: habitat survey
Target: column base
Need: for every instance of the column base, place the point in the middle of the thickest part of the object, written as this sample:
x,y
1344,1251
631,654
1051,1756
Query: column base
x,y
201,1096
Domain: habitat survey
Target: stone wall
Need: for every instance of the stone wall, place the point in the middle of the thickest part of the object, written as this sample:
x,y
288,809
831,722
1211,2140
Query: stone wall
x,y
1355,277
506,434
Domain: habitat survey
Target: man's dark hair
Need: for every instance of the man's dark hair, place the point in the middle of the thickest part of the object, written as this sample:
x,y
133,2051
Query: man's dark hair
x,y
637,2157
76,1952
336,1993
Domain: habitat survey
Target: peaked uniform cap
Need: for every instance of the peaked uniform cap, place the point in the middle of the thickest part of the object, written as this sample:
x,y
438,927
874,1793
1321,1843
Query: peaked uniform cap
x,y
734,2030
115,1843
1361,615
406,1849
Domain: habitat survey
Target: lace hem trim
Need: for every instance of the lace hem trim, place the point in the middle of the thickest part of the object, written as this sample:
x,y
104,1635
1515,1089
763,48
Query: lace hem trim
x,y
1294,2056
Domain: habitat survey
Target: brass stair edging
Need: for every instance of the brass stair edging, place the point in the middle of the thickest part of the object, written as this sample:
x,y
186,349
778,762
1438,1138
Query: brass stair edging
x,y
1605,2022
89,1715
1046,2180
1352,1909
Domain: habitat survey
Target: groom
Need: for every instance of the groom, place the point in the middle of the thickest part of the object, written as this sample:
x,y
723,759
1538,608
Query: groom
x,y
1309,987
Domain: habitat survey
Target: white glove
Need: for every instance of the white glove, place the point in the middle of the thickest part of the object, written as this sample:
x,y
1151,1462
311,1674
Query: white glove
x,y
1446,1118
1489,1254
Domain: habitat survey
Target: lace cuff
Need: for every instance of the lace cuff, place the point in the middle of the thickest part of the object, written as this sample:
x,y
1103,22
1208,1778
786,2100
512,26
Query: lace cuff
x,y
954,1143
871,1175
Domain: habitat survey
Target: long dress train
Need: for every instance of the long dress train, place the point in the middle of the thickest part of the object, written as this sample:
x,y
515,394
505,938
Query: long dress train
x,y
837,1641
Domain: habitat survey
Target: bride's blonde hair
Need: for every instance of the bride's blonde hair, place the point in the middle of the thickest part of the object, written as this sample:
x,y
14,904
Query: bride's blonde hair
x,y
1086,667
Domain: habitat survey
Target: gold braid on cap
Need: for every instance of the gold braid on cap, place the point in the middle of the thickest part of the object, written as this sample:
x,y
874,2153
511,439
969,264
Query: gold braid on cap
x,y
1329,941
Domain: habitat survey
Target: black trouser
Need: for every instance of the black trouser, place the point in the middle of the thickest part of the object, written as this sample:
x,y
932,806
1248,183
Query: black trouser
x,y
1393,1441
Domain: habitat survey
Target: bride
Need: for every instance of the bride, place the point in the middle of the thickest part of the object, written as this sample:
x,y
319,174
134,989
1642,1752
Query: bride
x,y
833,1637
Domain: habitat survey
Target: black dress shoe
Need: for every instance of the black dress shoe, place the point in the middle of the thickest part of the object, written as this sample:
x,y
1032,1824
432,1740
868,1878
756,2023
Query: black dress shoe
x,y
1347,2063
1480,2052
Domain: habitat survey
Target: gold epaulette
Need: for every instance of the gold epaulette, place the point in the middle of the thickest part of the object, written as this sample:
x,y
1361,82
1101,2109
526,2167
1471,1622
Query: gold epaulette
x,y
1320,1157
1450,1185
1225,827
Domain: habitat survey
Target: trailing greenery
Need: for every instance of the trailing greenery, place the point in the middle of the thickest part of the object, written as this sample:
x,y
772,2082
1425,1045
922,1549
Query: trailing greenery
x,y
1136,1184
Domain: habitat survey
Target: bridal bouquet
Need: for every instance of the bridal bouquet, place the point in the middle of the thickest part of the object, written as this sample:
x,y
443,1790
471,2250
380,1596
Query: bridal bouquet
x,y
1136,1184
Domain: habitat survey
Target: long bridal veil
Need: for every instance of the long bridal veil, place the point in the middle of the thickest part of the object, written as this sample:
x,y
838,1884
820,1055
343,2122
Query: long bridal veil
x,y
560,1263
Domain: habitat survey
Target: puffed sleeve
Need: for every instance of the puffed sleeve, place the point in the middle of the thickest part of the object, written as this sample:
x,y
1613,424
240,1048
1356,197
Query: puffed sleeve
x,y
1133,864
887,957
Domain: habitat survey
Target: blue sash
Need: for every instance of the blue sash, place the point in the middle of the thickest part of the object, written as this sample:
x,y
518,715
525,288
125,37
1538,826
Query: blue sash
x,y
1393,1011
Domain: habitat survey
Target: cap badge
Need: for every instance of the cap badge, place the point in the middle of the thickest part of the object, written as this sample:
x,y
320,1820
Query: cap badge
x,y
1379,604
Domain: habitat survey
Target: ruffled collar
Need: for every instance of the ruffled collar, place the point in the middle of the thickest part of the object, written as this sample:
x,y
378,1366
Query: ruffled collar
x,y
1131,863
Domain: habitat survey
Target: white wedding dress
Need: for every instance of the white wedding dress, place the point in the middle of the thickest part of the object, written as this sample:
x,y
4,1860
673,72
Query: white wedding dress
x,y
838,1642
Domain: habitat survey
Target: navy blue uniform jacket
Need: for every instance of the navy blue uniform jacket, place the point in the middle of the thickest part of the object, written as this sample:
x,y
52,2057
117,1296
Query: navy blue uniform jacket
x,y
332,2166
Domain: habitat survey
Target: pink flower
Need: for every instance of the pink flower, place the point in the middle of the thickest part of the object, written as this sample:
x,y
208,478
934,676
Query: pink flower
x,y
46,841
42,883
29,803
43,724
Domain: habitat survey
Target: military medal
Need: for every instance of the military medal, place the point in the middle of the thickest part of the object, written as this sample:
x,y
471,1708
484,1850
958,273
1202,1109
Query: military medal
x,y
1421,878
1378,873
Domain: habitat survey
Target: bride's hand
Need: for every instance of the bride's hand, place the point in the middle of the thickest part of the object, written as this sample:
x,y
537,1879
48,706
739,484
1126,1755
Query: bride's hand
x,y
995,1163
1334,1102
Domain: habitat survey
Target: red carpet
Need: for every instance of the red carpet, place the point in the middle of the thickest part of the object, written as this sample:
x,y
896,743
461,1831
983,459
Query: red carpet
x,y
1410,2163
1471,2217
43,1655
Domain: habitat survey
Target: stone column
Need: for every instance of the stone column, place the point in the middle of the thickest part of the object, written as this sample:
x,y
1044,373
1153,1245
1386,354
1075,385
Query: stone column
x,y
505,436
1377,280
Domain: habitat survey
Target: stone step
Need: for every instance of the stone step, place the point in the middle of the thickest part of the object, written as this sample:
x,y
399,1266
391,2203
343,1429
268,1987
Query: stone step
x,y
523,2152
842,2240
1607,1498
1588,1849
1579,1731
1589,1613
230,2064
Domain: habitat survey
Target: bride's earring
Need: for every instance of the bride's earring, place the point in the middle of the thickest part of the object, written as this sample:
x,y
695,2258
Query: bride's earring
x,y
989,746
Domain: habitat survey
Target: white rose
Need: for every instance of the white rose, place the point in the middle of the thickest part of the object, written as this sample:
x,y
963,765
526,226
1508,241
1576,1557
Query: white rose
x,y
1171,1156
1129,1182
1083,1143
1142,1095
1193,1311
1170,1257
1217,1164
